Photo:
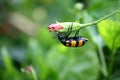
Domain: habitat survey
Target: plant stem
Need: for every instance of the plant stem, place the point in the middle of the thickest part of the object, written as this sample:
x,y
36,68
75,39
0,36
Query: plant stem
x,y
64,26
103,63
111,62
34,74
99,20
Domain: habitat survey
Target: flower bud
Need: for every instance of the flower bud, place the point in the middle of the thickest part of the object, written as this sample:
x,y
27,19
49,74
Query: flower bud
x,y
54,27
63,26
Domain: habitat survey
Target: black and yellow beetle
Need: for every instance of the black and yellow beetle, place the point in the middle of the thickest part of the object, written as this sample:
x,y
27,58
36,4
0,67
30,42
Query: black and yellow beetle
x,y
76,41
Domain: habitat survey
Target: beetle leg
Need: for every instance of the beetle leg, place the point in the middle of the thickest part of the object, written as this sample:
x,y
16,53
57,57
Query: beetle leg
x,y
77,33
69,31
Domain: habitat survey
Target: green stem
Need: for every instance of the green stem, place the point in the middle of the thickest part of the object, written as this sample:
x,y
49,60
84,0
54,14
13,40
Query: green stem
x,y
76,25
99,20
111,62
34,74
103,63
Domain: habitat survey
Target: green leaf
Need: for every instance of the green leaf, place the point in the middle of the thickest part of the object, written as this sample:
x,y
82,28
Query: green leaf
x,y
110,32
73,63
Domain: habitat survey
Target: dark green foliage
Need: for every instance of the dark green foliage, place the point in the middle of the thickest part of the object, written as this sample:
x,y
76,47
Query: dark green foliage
x,y
43,57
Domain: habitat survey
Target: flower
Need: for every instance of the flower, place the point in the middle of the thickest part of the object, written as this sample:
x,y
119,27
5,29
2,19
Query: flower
x,y
54,27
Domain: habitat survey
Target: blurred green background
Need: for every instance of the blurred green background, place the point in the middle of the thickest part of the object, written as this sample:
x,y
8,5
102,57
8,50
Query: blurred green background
x,y
28,51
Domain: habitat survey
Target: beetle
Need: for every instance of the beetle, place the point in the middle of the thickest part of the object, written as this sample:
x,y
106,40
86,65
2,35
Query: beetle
x,y
76,41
